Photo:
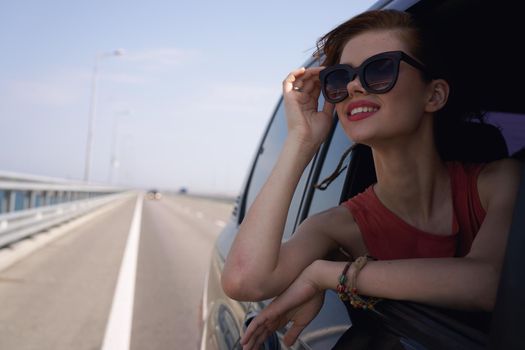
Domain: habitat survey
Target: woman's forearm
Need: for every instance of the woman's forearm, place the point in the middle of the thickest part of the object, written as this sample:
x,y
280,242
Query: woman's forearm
x,y
460,283
255,252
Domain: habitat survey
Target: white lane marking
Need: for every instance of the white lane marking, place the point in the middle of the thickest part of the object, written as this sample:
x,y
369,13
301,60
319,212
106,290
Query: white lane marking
x,y
198,214
205,296
118,328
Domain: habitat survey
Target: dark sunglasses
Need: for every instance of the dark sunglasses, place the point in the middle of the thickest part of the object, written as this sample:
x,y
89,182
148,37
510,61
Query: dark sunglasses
x,y
377,74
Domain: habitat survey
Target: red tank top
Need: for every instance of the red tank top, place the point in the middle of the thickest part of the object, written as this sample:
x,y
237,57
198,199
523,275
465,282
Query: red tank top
x,y
388,237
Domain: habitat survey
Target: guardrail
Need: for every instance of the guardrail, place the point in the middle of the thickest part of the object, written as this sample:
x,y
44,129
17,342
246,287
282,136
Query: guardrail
x,y
29,204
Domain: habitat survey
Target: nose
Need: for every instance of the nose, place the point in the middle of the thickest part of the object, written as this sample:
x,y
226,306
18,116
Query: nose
x,y
354,86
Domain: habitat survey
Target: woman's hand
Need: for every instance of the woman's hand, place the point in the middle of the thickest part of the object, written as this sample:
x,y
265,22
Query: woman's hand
x,y
300,303
301,90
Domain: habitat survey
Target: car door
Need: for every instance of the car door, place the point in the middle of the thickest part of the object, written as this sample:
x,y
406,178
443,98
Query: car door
x,y
223,317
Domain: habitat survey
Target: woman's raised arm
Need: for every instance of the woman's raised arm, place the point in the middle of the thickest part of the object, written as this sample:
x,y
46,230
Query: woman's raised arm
x,y
255,256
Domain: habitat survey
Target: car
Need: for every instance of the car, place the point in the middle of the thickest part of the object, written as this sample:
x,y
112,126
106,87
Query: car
x,y
154,194
484,40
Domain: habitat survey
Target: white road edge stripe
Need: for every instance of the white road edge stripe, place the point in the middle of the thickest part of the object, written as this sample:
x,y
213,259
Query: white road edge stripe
x,y
118,328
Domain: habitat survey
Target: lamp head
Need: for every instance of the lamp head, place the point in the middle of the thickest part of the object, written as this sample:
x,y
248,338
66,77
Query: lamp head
x,y
118,52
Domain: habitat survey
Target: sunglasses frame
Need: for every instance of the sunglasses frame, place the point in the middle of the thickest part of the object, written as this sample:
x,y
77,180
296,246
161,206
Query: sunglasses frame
x,y
395,56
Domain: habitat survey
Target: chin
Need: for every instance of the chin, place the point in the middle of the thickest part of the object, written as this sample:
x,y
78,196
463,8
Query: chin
x,y
358,136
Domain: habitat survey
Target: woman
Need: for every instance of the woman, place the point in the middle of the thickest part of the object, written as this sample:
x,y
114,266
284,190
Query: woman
x,y
437,229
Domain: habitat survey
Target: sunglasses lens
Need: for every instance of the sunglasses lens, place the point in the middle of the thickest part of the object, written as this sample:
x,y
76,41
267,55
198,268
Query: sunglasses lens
x,y
335,85
379,75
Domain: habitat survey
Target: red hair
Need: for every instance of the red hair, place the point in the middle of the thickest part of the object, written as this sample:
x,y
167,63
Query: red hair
x,y
331,44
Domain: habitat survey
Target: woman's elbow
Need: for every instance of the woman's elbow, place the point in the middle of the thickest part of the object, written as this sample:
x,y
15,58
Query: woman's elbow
x,y
231,287
239,288
486,301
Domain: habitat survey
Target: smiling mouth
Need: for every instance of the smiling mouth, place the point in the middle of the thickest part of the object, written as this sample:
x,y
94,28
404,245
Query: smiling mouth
x,y
363,110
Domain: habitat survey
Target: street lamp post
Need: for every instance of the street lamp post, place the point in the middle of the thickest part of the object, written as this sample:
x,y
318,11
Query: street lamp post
x,y
93,108
114,161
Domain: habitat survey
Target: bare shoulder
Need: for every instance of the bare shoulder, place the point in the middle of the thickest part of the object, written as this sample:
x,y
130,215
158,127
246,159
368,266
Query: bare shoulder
x,y
339,224
502,167
334,219
499,180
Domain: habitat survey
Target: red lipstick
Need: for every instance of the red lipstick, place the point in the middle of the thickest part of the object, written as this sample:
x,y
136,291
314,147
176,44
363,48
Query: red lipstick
x,y
359,110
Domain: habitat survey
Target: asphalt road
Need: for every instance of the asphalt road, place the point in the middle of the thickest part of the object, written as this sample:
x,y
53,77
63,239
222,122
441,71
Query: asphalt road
x,y
60,296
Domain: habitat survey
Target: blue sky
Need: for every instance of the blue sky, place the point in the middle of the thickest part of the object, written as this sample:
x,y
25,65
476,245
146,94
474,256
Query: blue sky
x,y
185,105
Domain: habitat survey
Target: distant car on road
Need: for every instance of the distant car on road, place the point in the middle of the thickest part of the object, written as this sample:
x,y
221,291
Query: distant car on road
x,y
154,194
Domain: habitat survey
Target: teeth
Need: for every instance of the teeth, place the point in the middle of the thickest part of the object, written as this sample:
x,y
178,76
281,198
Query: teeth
x,y
363,110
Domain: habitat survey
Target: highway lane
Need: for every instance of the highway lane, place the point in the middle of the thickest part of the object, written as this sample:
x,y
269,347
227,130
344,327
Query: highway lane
x,y
60,296
175,248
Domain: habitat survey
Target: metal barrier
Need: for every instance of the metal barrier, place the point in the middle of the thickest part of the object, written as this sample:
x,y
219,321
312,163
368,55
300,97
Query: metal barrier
x,y
29,204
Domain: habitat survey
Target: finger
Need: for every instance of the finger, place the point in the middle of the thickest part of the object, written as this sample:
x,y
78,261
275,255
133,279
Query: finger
x,y
309,83
247,336
291,335
253,330
257,338
328,108
246,341
316,90
313,72
250,342
313,89
306,86
258,333
257,329
261,338
249,345
291,78
298,76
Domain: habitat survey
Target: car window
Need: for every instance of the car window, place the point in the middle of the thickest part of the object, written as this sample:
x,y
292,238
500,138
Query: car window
x,y
267,157
330,197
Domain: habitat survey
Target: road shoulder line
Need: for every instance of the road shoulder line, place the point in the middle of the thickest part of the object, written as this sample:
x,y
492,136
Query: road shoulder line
x,y
118,329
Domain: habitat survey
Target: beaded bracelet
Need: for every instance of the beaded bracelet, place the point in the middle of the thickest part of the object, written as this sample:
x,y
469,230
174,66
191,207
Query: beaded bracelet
x,y
350,293
342,289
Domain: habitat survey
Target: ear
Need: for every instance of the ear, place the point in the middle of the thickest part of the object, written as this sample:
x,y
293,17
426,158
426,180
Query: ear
x,y
438,95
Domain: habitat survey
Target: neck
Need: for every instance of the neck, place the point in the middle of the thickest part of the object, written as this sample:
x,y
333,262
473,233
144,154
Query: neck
x,y
412,180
